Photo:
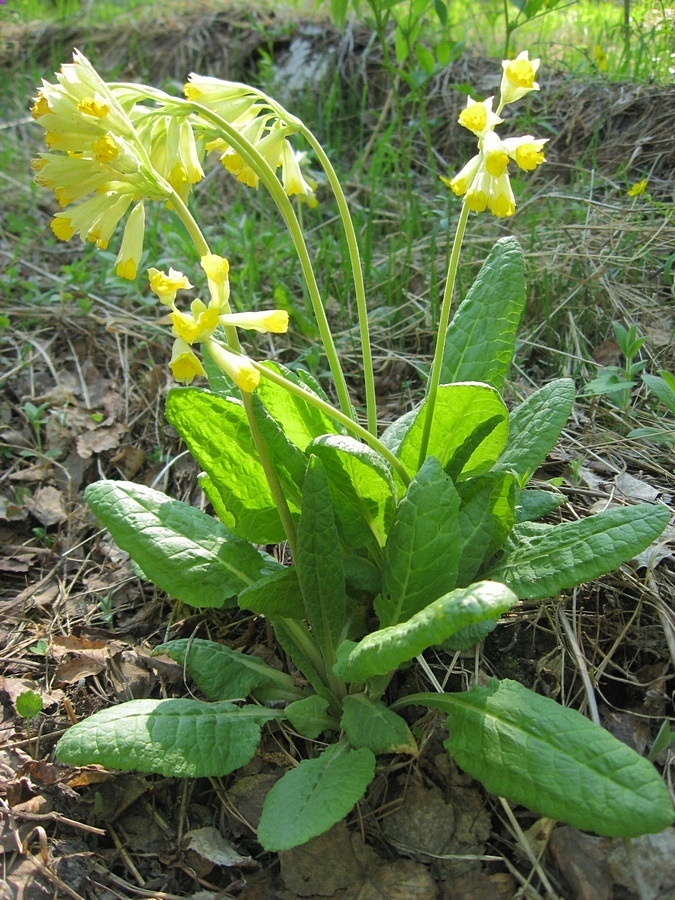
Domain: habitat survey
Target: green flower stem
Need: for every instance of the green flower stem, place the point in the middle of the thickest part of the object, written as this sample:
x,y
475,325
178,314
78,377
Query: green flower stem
x,y
333,413
359,288
264,171
272,477
264,456
435,376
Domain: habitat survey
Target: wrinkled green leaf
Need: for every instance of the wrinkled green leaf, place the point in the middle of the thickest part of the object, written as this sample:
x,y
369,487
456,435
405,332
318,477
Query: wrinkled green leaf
x,y
221,673
217,433
299,420
543,562
361,488
422,552
289,461
186,553
550,758
468,637
534,427
482,335
486,517
310,717
177,738
275,595
381,651
393,435
460,409
28,704
319,564
315,795
370,723
535,504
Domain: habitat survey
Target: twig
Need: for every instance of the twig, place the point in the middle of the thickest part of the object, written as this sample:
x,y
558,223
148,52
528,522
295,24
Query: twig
x,y
581,663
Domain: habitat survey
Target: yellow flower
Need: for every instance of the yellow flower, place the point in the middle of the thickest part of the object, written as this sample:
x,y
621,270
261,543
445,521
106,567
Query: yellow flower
x,y
94,219
229,99
167,286
291,174
129,257
185,365
527,151
518,78
274,320
484,180
239,368
198,325
216,269
479,117
600,58
638,188
495,157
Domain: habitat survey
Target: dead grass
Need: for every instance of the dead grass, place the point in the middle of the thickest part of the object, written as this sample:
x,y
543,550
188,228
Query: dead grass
x,y
608,649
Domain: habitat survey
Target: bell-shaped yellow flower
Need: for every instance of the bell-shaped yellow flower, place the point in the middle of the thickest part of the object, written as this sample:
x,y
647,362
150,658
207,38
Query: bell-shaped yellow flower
x,y
291,174
167,286
216,269
264,321
479,117
518,78
527,152
129,257
185,364
94,220
197,325
239,368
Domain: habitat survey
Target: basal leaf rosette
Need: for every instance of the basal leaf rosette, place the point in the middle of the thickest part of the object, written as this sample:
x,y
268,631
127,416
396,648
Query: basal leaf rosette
x,y
198,326
484,181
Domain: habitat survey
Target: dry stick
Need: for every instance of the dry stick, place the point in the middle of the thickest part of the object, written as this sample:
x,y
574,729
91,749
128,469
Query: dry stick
x,y
581,662
53,877
126,859
525,846
56,817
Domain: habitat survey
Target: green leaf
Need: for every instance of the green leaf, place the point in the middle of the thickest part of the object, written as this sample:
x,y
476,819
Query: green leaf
x,y
28,704
468,637
550,758
441,11
221,673
370,723
275,595
543,563
535,504
186,553
177,738
486,517
300,421
309,716
361,487
319,563
460,409
393,435
482,335
421,556
381,651
218,435
315,795
534,427
289,461
663,388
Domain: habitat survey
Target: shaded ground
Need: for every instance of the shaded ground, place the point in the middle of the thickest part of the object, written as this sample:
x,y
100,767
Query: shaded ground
x,y
82,394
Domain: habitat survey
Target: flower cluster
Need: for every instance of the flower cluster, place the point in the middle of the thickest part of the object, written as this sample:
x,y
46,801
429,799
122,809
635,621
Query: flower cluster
x,y
95,149
484,181
199,325
261,126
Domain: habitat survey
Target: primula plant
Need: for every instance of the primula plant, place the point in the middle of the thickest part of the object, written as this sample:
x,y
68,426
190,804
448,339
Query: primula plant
x,y
421,536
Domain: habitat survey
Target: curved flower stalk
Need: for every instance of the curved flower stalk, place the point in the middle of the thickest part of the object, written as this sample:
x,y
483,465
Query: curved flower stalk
x,y
199,325
484,183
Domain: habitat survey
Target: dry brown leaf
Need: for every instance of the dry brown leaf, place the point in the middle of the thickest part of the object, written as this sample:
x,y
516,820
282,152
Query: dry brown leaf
x,y
99,440
48,506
